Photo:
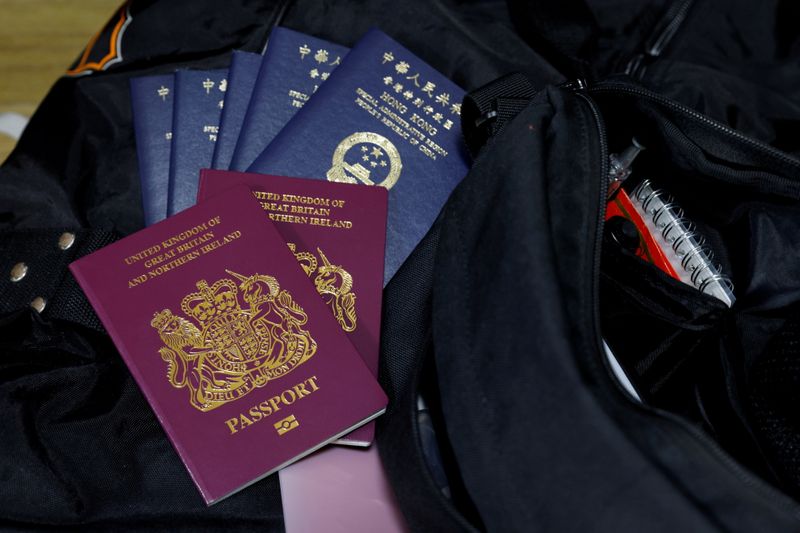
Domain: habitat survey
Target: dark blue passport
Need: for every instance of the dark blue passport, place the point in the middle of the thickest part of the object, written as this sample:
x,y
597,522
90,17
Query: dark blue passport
x,y
383,118
241,79
293,67
151,106
199,98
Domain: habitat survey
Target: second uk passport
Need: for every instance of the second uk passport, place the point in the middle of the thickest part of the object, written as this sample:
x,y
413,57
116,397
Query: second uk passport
x,y
337,232
230,342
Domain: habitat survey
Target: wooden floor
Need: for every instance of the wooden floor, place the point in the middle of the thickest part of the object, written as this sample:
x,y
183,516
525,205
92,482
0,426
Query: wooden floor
x,y
39,40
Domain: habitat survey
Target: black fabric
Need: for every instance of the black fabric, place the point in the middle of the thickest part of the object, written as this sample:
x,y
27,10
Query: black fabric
x,y
737,65
405,354
678,320
772,395
734,61
495,319
512,385
522,377
695,356
566,31
489,108
47,276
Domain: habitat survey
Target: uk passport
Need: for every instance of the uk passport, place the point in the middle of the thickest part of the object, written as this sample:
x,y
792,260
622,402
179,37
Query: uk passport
x,y
151,107
239,357
294,66
383,118
337,232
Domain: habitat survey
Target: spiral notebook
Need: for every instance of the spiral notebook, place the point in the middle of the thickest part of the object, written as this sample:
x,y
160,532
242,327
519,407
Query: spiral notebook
x,y
692,261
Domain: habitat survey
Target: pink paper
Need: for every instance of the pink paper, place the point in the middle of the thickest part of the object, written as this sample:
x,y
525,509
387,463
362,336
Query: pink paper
x,y
339,490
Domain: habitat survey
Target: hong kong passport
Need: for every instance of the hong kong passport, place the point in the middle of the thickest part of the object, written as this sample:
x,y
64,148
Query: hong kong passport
x,y
337,232
151,107
294,66
241,360
383,118
241,79
199,99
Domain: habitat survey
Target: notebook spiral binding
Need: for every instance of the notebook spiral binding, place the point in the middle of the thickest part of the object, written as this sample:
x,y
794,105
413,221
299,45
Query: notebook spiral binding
x,y
690,255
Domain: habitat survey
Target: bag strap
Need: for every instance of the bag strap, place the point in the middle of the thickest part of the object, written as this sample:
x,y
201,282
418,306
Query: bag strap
x,y
43,256
486,110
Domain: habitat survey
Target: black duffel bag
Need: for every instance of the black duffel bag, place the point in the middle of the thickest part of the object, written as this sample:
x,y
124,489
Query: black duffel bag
x,y
498,321
496,318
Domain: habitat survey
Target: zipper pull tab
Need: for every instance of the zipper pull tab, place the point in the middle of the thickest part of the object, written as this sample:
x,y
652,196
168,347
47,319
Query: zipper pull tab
x,y
578,84
620,166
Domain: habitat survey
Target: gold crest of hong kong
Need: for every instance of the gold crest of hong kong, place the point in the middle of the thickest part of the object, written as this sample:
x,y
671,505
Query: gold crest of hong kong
x,y
368,158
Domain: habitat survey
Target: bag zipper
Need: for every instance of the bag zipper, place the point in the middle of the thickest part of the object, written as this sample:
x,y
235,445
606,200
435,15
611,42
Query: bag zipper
x,y
770,495
670,24
675,16
617,87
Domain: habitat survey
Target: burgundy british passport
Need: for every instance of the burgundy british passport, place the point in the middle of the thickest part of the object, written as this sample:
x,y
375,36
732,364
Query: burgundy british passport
x,y
337,232
240,358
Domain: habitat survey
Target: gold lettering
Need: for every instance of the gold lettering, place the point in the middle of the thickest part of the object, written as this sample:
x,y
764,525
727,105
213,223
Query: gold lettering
x,y
290,394
265,408
182,236
366,96
159,263
308,200
274,402
244,421
143,254
173,264
300,390
394,102
290,219
210,247
137,281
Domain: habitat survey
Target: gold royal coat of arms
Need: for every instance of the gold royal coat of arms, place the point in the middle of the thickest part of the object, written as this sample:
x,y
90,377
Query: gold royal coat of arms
x,y
236,338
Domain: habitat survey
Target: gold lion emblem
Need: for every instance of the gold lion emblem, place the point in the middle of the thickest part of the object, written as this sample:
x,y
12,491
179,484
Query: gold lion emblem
x,y
333,283
368,158
235,338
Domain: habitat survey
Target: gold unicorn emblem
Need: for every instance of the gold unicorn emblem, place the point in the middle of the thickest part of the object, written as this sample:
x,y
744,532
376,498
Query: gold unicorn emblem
x,y
333,283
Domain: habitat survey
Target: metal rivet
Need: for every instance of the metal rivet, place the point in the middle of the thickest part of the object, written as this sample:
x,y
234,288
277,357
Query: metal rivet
x,y
39,304
66,240
18,272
